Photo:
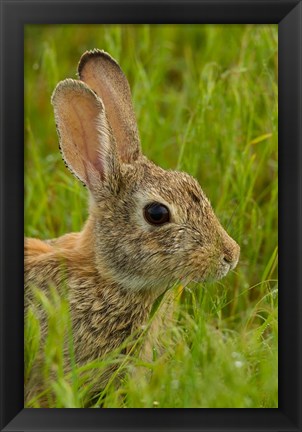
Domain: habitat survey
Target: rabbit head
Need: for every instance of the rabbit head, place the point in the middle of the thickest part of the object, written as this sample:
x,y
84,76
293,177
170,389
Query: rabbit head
x,y
150,226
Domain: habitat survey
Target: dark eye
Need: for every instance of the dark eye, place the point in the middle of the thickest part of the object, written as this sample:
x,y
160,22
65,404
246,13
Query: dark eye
x,y
156,214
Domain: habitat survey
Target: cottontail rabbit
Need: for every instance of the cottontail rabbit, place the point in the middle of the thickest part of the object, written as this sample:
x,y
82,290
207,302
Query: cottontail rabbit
x,y
147,227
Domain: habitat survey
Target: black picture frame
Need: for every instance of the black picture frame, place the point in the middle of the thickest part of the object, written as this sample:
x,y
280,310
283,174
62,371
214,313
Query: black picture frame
x,y
14,15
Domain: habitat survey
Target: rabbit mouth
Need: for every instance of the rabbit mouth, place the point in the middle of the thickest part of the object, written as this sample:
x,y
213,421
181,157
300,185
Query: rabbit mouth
x,y
206,276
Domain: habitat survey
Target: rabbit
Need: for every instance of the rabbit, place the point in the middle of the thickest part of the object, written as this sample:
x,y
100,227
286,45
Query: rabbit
x,y
147,227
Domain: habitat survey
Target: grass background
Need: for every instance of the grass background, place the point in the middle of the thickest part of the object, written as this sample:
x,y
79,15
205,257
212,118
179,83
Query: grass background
x,y
205,97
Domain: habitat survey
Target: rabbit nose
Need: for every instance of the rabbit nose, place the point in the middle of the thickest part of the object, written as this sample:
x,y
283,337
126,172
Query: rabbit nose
x,y
231,255
227,259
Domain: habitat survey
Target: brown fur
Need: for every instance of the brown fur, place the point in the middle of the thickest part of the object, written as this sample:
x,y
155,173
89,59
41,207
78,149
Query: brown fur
x,y
118,265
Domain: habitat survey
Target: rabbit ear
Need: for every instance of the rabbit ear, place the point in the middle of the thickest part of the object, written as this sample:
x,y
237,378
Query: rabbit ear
x,y
101,73
86,141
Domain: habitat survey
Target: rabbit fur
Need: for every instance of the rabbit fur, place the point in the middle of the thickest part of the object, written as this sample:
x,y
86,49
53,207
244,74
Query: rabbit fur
x,y
119,264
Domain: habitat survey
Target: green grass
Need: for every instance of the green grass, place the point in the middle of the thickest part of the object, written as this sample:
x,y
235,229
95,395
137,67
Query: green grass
x,y
205,97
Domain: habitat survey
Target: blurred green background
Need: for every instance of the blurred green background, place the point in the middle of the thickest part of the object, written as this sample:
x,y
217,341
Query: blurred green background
x,y
205,97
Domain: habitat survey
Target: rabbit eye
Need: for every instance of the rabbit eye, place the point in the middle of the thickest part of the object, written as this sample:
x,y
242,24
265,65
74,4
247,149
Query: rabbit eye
x,y
156,214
